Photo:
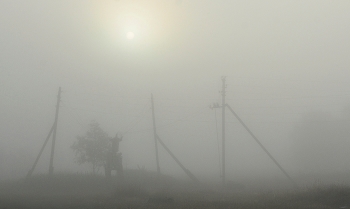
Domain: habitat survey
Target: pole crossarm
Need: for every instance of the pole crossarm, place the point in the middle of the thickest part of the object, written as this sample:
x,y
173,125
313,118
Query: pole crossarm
x,y
178,162
262,146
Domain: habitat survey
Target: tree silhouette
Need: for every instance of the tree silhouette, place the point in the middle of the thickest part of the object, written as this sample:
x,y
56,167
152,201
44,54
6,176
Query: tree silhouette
x,y
92,147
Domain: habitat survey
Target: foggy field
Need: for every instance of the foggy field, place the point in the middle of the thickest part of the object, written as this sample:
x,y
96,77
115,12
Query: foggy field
x,y
141,190
252,96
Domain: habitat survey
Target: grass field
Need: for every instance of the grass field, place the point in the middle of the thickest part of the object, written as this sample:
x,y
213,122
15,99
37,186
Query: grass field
x,y
143,190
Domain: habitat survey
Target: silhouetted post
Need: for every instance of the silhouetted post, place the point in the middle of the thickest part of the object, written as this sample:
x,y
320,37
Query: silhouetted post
x,y
54,131
223,127
178,162
155,136
30,172
262,146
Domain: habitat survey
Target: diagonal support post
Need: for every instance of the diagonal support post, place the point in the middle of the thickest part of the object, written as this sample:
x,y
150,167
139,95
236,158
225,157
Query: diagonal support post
x,y
178,162
30,172
262,146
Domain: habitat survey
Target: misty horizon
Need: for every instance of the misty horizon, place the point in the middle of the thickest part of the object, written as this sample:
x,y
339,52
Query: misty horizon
x,y
286,66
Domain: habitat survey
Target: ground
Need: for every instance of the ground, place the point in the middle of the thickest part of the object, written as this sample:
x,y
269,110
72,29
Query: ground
x,y
141,190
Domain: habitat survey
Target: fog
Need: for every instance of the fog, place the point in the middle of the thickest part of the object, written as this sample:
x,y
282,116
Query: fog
x,y
286,65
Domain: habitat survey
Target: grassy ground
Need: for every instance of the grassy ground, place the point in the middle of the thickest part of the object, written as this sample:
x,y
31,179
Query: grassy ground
x,y
142,190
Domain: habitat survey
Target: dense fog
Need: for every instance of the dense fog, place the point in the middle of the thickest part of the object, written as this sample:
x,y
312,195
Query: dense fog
x,y
287,73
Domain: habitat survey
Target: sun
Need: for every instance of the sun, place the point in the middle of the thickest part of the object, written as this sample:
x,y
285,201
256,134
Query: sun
x,y
152,24
130,35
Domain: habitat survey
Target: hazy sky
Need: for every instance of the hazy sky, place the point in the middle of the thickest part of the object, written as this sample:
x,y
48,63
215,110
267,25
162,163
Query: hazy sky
x,y
281,58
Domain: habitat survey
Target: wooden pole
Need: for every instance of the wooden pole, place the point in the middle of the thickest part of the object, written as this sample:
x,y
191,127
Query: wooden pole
x,y
30,172
262,146
178,162
54,132
155,136
223,128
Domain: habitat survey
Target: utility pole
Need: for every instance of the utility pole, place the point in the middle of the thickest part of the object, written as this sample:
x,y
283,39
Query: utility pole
x,y
155,136
223,92
223,106
54,132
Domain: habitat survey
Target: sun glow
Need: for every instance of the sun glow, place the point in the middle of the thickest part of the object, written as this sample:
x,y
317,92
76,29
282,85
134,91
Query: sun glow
x,y
130,35
149,24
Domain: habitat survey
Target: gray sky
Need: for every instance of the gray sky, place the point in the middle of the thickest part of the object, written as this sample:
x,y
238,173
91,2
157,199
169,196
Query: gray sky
x,y
281,58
